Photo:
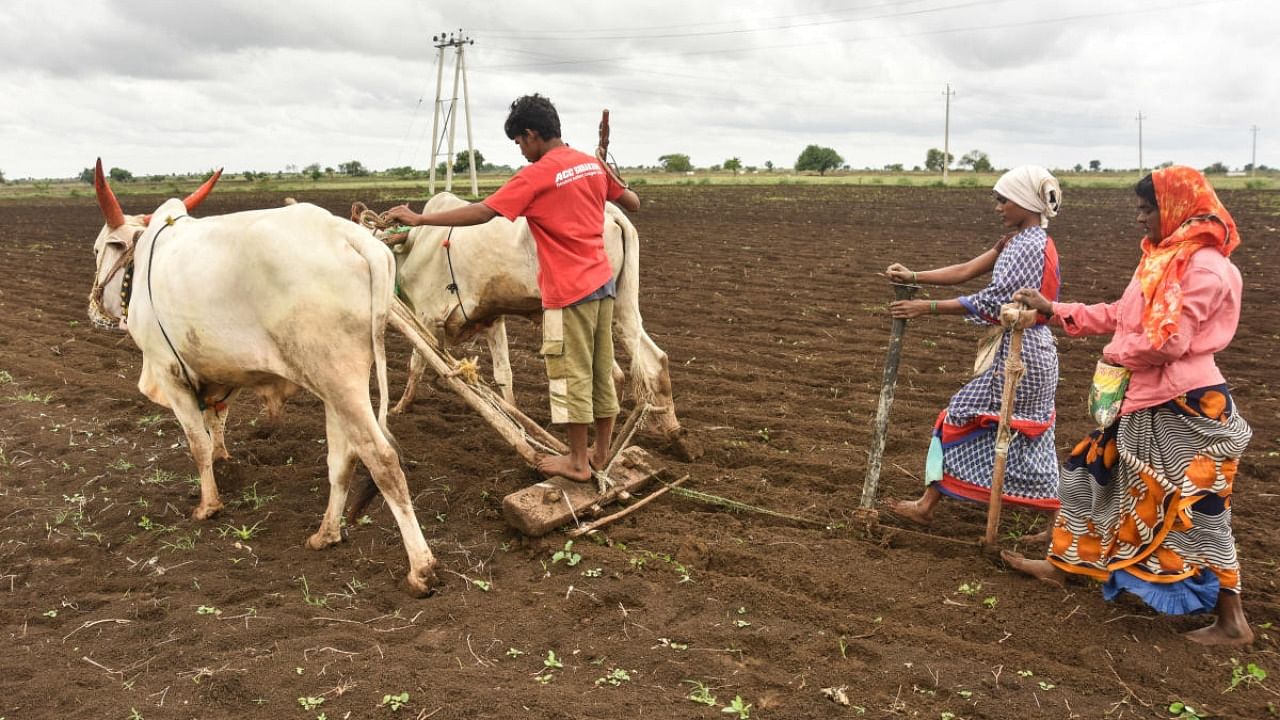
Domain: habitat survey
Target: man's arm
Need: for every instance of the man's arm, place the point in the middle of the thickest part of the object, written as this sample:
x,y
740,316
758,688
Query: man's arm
x,y
473,214
629,200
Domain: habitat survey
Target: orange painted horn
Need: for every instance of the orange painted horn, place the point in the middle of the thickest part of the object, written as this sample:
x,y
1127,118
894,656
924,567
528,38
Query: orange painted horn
x,y
202,192
107,199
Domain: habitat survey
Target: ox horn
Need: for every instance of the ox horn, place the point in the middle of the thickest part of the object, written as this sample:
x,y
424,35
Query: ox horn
x,y
107,199
197,197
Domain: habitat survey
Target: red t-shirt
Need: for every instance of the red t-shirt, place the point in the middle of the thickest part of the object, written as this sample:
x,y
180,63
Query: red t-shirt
x,y
562,195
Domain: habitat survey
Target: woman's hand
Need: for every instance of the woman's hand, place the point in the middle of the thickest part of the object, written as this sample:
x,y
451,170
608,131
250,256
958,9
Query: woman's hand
x,y
1034,300
900,274
909,308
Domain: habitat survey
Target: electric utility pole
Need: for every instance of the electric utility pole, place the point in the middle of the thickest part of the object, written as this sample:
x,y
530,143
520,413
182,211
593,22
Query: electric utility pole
x,y
946,135
1253,164
1141,167
458,42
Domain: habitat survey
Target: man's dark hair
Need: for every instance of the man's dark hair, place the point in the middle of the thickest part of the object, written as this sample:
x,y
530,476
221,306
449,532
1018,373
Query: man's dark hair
x,y
1146,189
533,112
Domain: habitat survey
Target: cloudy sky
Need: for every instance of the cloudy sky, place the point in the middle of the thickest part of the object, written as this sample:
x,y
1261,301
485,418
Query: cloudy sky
x,y
158,86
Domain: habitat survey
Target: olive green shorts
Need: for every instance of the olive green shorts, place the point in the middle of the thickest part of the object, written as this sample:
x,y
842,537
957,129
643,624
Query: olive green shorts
x,y
577,345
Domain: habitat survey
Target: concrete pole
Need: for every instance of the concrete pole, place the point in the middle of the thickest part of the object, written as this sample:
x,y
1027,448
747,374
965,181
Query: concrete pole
x,y
946,136
453,117
435,119
1141,167
466,108
1253,163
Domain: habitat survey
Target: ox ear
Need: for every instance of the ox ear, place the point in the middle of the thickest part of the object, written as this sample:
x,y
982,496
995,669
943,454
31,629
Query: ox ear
x,y
107,199
194,199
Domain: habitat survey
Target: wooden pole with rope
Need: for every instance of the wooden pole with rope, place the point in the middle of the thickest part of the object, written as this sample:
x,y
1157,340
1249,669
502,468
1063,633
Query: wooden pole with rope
x,y
1015,317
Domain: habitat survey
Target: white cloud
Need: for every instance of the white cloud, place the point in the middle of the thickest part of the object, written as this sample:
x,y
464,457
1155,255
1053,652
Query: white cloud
x,y
157,86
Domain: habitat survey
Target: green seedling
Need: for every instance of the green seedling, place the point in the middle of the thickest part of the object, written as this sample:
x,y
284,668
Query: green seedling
x,y
551,662
545,678
616,677
243,533
567,554
1245,675
5,377
737,707
209,610
969,588
134,714
1025,673
593,572
668,643
250,498
1047,685
312,600
1183,711
395,702
701,694
310,703
990,602
121,464
514,653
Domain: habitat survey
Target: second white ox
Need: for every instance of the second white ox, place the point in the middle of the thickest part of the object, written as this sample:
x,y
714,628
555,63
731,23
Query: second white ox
x,y
272,300
462,281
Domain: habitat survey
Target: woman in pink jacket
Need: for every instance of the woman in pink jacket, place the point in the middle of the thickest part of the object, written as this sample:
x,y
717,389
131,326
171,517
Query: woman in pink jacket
x,y
1146,501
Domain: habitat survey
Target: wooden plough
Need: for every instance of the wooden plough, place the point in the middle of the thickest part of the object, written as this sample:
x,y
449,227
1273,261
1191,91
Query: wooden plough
x,y
540,508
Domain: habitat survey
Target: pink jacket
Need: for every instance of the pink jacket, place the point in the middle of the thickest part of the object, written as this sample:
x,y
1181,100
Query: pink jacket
x,y
1211,291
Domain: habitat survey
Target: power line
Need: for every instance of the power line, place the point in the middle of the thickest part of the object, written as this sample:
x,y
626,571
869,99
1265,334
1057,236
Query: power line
x,y
850,41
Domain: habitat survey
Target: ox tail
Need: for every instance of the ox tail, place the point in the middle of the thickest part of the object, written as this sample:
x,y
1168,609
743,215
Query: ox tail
x,y
628,288
382,273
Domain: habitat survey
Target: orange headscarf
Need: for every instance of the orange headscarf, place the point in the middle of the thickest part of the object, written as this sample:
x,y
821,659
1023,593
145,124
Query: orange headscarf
x,y
1191,218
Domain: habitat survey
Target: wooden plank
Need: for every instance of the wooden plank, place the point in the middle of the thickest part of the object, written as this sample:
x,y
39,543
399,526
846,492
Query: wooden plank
x,y
545,506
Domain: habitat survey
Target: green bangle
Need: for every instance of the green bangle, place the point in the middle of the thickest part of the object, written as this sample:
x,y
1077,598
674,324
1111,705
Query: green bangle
x,y
915,277
933,307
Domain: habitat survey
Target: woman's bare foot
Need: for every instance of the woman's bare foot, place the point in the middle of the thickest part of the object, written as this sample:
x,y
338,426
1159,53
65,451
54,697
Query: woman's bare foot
x,y
1230,628
1220,634
1041,570
563,466
913,510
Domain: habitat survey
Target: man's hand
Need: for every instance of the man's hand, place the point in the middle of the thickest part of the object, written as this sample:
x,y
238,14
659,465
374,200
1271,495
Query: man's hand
x,y
400,215
900,274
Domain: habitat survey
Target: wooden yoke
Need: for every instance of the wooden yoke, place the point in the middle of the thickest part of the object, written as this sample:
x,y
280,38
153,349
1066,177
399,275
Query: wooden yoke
x,y
1014,317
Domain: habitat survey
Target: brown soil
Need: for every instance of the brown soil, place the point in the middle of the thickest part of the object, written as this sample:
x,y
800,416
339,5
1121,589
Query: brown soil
x,y
766,299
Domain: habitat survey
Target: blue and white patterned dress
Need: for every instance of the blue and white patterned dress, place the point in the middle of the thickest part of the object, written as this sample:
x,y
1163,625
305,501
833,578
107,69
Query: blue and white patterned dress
x,y
962,452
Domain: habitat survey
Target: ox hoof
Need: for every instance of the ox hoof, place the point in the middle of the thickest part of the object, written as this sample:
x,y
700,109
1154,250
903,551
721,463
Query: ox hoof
x,y
321,540
204,511
422,582
685,447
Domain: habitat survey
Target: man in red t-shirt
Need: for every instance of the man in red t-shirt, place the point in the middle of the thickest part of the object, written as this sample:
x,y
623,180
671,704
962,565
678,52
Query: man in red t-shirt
x,y
562,194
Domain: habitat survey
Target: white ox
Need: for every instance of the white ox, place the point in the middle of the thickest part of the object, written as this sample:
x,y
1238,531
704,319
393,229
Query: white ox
x,y
272,300
493,270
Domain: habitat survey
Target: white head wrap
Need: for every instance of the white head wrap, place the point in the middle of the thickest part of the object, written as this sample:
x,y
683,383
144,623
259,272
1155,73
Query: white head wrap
x,y
1034,188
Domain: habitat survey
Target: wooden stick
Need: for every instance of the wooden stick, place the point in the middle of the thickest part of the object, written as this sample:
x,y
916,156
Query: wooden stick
x,y
597,524
403,320
1013,316
897,329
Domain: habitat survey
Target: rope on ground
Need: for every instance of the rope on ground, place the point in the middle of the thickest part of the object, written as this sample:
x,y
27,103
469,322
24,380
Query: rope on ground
x,y
741,506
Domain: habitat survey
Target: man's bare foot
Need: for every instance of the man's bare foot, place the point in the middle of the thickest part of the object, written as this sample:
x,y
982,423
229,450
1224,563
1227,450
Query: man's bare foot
x,y
1041,570
598,457
913,510
563,466
1220,633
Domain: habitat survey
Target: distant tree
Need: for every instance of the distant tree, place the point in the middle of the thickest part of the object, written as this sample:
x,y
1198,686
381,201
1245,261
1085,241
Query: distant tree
x,y
935,159
312,171
768,165
404,171
353,168
894,167
977,160
461,163
120,175
751,168
733,165
1216,169
1078,168
86,176
2,180
822,159
675,162
249,175
1095,165
714,168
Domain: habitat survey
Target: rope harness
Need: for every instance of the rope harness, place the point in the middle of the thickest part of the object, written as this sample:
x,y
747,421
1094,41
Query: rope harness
x,y
98,312
168,223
